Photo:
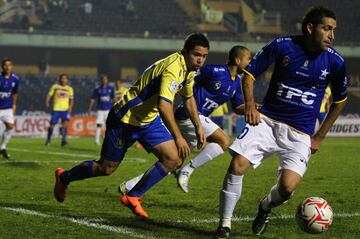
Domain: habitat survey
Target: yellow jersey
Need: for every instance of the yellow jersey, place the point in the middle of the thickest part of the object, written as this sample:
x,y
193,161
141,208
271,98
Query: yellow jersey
x,y
220,111
62,96
163,79
119,93
325,100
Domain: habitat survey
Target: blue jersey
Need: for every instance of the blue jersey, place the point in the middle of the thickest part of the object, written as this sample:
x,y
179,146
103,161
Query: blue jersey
x,y
213,87
299,80
8,87
104,97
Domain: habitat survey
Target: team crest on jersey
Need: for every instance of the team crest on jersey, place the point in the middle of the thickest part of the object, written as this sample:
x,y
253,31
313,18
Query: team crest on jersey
x,y
324,73
217,85
119,142
285,61
174,86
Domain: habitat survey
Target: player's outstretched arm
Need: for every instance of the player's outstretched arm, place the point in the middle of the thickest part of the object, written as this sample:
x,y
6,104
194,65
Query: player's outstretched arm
x,y
166,112
191,108
252,115
334,112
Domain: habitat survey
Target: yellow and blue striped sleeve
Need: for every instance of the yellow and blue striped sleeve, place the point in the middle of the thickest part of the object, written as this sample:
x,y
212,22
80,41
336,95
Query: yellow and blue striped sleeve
x,y
187,90
168,86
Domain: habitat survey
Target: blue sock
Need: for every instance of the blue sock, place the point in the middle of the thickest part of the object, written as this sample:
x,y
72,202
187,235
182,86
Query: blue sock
x,y
63,134
152,176
50,131
79,172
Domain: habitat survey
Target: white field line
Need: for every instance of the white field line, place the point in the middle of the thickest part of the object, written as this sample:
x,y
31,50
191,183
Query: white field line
x,y
249,219
89,156
85,222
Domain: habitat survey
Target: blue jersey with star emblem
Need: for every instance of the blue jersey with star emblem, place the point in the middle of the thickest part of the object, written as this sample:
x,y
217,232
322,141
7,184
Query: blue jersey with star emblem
x,y
104,96
213,87
8,87
299,80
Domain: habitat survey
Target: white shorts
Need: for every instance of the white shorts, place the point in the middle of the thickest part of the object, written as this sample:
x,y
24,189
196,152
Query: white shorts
x,y
7,116
258,142
188,129
101,116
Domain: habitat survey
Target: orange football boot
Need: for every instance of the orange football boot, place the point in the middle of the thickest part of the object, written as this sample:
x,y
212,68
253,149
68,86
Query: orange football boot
x,y
60,188
134,204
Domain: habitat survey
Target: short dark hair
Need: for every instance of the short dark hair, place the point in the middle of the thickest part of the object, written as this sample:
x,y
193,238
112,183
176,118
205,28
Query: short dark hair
x,y
103,76
62,75
315,15
196,39
236,51
5,60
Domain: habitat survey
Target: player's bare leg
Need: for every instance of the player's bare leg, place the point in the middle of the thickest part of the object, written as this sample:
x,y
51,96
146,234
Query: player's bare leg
x,y
230,193
219,142
5,139
279,194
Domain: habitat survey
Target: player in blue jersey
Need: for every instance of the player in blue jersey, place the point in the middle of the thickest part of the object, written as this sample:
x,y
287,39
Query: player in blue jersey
x,y
304,66
9,83
104,96
145,114
214,86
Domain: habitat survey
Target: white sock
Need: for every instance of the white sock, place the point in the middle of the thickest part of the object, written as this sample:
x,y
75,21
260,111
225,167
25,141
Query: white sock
x,y
6,138
97,134
132,182
229,196
273,199
211,150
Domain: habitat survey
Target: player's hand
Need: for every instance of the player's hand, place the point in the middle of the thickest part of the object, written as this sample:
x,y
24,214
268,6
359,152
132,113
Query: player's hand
x,y
201,138
252,115
315,143
183,148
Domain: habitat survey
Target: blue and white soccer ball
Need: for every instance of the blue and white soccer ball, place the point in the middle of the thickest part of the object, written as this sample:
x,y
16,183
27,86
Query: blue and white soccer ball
x,y
314,215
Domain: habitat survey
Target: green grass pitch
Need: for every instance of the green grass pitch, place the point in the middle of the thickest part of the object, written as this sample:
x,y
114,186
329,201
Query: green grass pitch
x,y
92,208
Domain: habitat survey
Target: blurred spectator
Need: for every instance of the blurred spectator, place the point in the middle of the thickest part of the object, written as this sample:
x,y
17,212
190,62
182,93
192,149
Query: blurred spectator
x,y
88,7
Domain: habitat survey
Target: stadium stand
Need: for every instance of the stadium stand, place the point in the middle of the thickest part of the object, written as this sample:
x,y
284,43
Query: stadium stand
x,y
245,20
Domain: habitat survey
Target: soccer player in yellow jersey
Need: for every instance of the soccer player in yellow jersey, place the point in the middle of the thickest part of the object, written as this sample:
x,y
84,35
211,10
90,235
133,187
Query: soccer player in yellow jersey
x,y
145,114
63,100
120,90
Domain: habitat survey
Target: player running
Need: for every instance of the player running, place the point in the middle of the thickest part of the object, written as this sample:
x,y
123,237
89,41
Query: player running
x,y
104,96
214,85
304,66
145,114
63,101
9,84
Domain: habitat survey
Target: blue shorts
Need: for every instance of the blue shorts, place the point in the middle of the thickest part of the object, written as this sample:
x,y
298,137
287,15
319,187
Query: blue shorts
x,y
120,136
56,115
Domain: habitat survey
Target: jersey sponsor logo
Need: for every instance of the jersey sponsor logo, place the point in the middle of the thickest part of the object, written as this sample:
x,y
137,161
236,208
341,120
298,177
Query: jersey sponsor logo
x,y
105,98
291,92
216,69
210,104
5,95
